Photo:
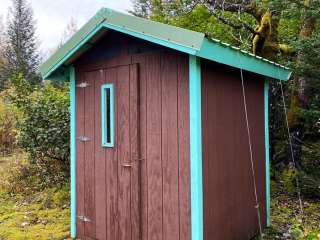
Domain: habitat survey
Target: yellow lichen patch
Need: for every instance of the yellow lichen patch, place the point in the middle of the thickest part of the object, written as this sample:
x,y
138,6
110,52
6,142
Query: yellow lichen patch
x,y
24,220
40,215
263,31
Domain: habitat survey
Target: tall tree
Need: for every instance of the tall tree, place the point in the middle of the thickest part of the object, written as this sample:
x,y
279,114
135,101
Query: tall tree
x,y
286,31
2,47
21,49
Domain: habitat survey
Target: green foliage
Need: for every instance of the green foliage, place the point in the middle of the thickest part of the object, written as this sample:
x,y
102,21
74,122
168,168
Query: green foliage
x,y
21,55
287,222
28,208
27,218
23,177
288,177
44,128
9,118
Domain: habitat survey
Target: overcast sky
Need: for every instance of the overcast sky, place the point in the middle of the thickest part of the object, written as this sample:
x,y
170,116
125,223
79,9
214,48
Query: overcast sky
x,y
52,16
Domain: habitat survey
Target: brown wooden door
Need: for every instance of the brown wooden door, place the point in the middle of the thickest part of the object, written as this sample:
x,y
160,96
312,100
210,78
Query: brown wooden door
x,y
108,178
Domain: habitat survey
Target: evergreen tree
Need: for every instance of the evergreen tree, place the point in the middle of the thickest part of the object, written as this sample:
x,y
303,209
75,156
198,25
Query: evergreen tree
x,y
2,47
21,49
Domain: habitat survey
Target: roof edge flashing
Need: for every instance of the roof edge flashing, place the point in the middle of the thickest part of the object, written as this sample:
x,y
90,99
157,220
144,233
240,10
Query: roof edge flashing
x,y
217,51
168,36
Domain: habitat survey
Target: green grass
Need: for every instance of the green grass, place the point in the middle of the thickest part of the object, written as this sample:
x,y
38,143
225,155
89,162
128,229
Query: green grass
x,y
45,214
288,223
40,215
23,219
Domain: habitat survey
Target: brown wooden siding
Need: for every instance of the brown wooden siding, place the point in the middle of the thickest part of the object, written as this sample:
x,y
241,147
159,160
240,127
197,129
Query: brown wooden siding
x,y
229,205
163,122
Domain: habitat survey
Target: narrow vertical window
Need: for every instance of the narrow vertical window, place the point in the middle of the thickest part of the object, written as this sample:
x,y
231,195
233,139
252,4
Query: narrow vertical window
x,y
107,115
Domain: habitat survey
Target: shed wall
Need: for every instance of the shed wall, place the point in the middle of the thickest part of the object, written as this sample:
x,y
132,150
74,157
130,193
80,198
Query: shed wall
x,y
229,202
164,132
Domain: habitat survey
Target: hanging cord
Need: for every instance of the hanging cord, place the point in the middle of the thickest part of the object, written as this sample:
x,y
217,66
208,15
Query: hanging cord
x,y
291,148
257,206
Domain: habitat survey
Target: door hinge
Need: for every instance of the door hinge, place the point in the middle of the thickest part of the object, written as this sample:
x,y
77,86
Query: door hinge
x,y
83,85
84,139
84,218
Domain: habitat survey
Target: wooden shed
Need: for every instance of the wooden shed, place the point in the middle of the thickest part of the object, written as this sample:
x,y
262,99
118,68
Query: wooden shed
x,y
159,137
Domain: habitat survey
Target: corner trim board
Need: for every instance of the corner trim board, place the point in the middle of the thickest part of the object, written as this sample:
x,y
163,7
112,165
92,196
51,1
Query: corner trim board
x,y
72,151
195,148
267,155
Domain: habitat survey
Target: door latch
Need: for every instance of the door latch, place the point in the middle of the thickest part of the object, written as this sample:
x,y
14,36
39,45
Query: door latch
x,y
84,218
130,164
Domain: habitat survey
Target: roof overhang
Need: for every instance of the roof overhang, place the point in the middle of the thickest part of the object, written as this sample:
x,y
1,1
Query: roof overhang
x,y
183,40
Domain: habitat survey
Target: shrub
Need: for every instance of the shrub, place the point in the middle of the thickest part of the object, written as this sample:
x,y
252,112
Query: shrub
x,y
44,129
23,177
9,116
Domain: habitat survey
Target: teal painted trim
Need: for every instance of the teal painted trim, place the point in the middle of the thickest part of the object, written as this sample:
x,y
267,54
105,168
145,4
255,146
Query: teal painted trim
x,y
195,148
225,54
267,155
104,116
73,152
119,29
72,52
168,43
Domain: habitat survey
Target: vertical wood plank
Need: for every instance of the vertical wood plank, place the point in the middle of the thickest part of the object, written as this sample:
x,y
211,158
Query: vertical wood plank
x,y
169,147
140,59
89,165
100,162
136,159
155,199
229,194
183,149
112,168
123,144
79,155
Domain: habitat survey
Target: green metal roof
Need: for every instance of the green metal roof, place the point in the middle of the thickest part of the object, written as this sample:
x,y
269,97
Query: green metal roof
x,y
180,39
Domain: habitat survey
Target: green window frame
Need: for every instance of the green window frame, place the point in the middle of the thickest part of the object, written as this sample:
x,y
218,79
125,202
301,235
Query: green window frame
x,y
107,115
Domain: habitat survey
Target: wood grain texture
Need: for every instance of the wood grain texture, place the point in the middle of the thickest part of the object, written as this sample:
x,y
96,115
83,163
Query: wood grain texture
x,y
135,151
183,148
89,156
154,171
150,199
123,153
169,147
100,163
229,206
142,76
112,169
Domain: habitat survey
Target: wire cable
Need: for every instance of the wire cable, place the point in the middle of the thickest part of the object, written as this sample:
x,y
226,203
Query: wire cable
x,y
291,148
257,206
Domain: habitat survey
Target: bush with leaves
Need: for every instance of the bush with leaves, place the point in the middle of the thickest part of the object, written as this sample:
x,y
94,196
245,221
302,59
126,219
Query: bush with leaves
x,y
9,117
44,129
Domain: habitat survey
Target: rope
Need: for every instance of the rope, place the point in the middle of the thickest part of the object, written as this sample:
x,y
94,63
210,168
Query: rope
x,y
291,148
257,206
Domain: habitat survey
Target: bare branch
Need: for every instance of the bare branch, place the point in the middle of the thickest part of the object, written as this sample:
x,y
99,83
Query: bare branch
x,y
239,25
244,6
